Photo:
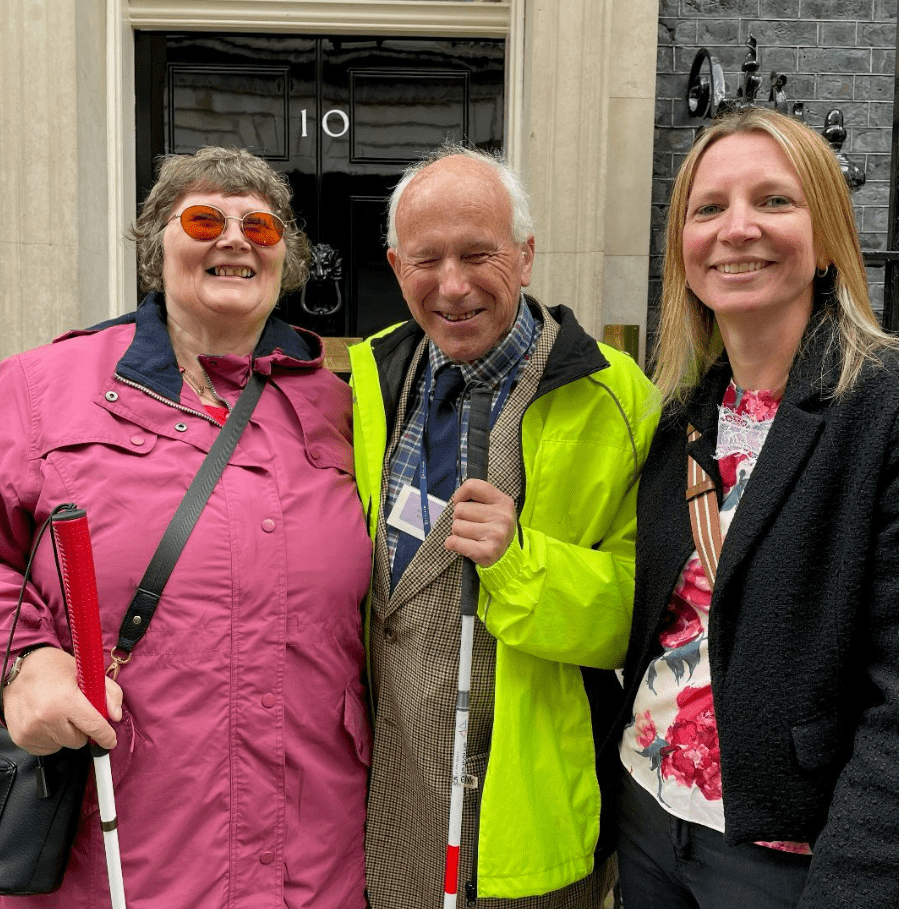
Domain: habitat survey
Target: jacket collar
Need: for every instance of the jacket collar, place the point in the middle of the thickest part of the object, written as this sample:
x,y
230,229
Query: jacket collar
x,y
150,360
816,369
574,355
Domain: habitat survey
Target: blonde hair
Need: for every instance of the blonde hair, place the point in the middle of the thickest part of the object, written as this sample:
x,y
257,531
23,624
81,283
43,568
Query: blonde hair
x,y
232,171
689,341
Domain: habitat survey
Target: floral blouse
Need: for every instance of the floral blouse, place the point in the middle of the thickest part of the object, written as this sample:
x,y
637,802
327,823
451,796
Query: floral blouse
x,y
671,746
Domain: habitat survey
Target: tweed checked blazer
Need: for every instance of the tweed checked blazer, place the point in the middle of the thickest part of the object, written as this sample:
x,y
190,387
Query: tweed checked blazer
x,y
414,644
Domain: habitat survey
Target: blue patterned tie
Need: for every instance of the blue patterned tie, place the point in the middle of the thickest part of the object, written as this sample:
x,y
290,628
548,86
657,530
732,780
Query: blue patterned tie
x,y
441,442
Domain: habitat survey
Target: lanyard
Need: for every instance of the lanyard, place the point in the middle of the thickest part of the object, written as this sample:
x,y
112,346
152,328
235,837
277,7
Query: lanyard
x,y
504,391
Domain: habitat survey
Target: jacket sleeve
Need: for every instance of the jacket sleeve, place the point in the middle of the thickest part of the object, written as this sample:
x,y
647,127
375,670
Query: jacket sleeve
x,y
562,601
19,493
854,858
564,589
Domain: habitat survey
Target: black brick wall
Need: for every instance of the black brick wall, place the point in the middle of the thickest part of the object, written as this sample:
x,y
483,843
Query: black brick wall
x,y
834,53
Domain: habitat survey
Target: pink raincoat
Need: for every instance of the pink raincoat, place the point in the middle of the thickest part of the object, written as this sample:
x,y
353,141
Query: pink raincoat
x,y
241,763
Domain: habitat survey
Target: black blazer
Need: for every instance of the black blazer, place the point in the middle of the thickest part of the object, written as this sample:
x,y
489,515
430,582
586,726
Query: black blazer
x,y
804,622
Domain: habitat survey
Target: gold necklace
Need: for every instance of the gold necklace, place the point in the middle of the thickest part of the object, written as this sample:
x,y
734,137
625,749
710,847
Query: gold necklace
x,y
199,387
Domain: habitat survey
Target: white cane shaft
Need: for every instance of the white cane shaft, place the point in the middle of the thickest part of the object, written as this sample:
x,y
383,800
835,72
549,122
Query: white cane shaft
x,y
108,820
457,795
466,645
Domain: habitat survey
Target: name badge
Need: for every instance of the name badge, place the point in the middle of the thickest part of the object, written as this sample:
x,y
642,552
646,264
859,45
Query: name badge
x,y
406,512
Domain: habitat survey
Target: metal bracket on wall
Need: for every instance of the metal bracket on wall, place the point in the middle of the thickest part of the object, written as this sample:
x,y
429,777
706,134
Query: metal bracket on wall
x,y
707,98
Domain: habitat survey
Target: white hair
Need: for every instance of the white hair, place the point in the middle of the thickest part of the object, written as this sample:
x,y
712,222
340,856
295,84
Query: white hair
x,y
522,225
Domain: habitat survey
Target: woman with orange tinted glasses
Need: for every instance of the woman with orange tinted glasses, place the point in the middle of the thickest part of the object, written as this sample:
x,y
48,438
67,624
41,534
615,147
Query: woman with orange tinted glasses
x,y
239,734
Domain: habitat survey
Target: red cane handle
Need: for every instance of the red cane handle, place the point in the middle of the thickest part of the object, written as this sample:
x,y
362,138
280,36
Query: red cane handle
x,y
76,565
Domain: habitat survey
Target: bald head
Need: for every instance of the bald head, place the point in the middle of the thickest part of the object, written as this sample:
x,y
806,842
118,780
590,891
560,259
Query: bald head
x,y
456,183
522,225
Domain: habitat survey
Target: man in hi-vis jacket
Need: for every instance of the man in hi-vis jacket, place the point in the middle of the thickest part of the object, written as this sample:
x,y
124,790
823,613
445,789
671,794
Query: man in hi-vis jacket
x,y
552,533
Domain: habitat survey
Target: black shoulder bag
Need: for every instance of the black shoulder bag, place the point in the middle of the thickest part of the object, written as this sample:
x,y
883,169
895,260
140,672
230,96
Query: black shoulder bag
x,y
40,797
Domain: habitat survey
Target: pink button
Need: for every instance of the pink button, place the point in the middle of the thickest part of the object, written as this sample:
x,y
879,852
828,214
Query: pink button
x,y
269,700
137,440
268,525
267,858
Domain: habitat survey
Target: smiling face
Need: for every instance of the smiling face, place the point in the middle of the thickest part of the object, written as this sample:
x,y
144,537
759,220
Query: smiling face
x,y
459,269
229,282
748,240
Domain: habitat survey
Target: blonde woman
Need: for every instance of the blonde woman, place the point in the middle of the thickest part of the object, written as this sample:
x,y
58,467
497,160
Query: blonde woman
x,y
760,745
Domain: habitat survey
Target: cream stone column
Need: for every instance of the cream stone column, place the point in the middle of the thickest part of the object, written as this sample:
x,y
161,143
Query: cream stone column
x,y
588,116
53,256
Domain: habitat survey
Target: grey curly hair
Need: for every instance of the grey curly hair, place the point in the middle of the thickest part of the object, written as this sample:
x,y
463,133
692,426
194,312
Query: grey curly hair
x,y
232,171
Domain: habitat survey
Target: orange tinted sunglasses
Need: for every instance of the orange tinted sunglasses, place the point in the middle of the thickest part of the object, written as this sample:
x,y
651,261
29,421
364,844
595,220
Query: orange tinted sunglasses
x,y
206,222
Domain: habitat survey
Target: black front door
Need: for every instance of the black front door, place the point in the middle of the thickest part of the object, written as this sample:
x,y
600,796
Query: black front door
x,y
340,117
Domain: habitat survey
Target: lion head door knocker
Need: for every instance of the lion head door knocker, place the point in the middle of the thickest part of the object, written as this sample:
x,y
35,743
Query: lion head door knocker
x,y
326,266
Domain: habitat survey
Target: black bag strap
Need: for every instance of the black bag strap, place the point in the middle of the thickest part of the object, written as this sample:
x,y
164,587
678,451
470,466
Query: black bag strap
x,y
146,597
18,610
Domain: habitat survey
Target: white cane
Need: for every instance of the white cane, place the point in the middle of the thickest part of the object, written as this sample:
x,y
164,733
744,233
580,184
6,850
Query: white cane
x,y
75,559
478,441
